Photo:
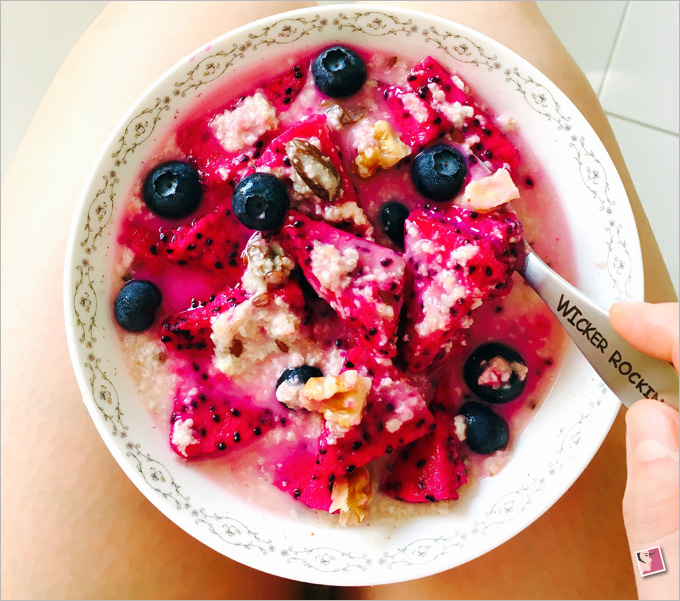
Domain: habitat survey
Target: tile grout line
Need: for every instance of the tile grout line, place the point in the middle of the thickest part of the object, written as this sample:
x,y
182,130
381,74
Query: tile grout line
x,y
643,124
611,54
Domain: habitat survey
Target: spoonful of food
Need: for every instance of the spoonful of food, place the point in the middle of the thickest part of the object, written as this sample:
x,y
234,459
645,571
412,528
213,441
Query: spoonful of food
x,y
629,373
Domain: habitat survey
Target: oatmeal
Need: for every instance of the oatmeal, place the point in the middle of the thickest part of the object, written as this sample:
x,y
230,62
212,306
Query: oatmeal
x,y
319,268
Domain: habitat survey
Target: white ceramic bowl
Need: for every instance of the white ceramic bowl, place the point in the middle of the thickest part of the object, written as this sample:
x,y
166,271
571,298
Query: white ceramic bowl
x,y
558,444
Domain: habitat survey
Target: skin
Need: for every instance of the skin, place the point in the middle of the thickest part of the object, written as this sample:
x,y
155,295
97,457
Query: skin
x,y
650,502
73,525
64,499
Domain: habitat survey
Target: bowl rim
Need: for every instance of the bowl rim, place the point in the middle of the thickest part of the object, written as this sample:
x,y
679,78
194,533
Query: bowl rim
x,y
74,350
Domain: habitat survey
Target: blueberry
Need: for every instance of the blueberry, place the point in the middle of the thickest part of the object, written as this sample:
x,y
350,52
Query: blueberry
x,y
339,72
299,375
260,202
477,363
485,431
172,189
136,305
438,172
393,215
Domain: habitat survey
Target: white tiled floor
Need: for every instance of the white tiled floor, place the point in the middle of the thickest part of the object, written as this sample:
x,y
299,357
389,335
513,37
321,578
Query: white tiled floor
x,y
642,80
628,51
656,175
588,30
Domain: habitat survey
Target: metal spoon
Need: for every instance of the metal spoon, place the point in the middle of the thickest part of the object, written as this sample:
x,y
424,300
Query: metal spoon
x,y
629,373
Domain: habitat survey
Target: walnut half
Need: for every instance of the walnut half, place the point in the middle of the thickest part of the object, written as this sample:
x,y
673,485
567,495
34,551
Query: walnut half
x,y
350,495
340,399
380,148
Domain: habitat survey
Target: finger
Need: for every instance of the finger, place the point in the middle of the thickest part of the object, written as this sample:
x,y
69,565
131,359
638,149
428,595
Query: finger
x,y
651,328
650,503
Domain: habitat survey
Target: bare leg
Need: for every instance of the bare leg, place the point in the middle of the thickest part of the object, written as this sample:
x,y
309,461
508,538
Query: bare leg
x,y
73,526
556,556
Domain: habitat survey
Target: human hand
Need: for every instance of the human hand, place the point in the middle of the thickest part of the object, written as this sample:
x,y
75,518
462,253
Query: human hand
x,y
651,502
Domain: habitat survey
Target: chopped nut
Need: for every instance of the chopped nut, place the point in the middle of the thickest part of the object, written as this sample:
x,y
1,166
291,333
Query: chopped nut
x,y
315,169
267,265
236,347
490,192
340,399
350,495
383,150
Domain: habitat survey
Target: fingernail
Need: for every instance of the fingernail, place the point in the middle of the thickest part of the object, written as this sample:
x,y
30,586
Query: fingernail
x,y
651,436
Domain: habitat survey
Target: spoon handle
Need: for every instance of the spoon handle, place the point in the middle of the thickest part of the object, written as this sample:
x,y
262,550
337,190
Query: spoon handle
x,y
629,373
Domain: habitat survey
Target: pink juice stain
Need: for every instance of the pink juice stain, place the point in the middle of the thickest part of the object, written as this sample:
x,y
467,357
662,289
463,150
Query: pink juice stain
x,y
519,320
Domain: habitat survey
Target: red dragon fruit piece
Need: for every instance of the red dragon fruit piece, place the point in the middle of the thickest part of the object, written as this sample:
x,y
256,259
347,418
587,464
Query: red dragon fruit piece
x,y
189,331
296,477
284,89
213,233
212,241
216,164
431,468
395,414
430,81
145,242
500,228
418,123
291,294
211,418
431,74
203,150
452,272
328,193
361,280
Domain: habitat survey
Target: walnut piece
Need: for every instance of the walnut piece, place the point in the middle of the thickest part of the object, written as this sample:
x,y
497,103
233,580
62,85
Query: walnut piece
x,y
381,148
340,399
267,266
350,495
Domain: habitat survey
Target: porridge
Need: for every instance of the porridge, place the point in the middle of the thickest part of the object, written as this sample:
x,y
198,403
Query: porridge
x,y
315,283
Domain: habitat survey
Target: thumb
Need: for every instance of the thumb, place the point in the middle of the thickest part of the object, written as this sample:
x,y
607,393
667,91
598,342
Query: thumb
x,y
650,503
651,328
